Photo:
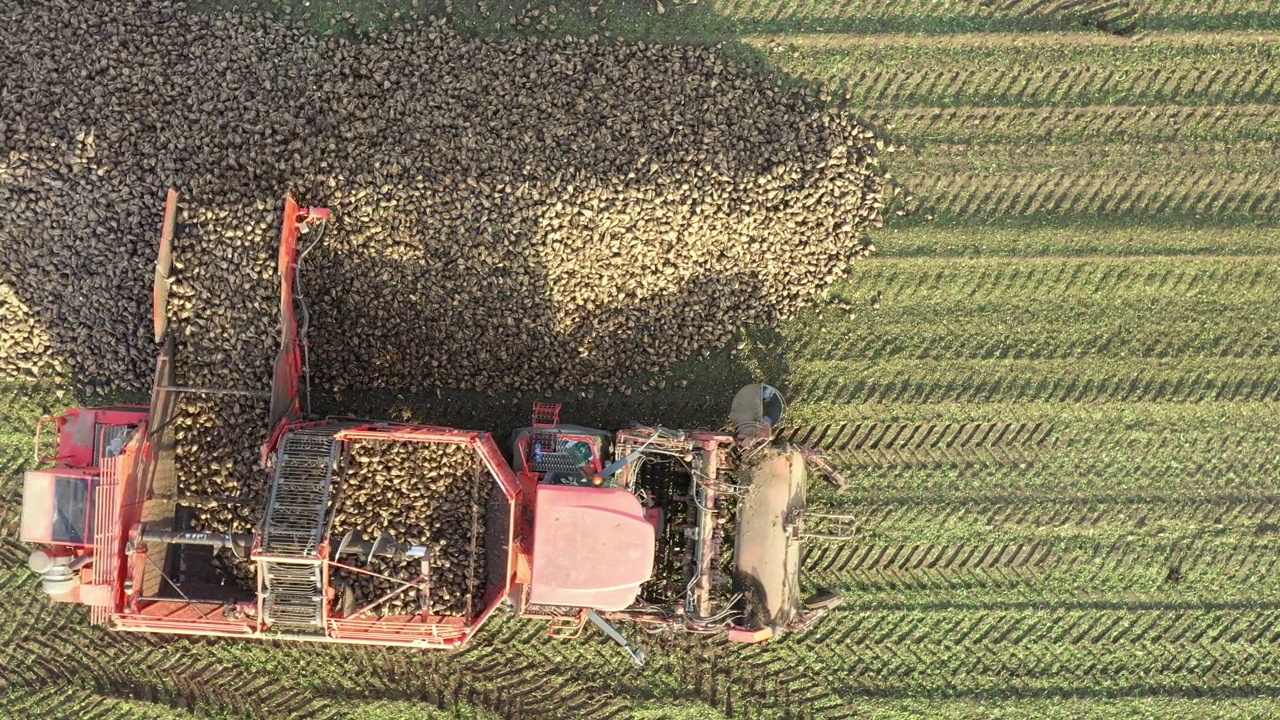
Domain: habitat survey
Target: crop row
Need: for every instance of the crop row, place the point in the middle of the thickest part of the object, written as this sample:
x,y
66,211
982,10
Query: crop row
x,y
144,669
861,629
1098,180
1101,425
1093,330
1043,240
1059,707
226,678
921,16
65,701
999,71
1047,572
1014,126
1028,521
914,382
1051,309
1110,458
517,662
1084,192
878,16
921,437
942,669
923,282
1147,471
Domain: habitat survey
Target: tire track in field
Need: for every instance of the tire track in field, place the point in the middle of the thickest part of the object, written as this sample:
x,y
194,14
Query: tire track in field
x,y
1117,17
515,673
537,685
955,383
1037,568
871,90
883,10
1081,192
913,444
1109,475
608,684
1032,653
704,666
1091,305
990,337
1241,8
178,676
738,684
1118,625
1051,513
74,703
906,571
854,446
128,668
922,126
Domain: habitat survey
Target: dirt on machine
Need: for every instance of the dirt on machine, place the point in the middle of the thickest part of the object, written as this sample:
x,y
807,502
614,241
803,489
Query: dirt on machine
x,y
386,533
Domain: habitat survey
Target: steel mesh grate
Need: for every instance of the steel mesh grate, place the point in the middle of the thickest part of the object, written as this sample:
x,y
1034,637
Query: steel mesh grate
x,y
294,527
108,441
299,493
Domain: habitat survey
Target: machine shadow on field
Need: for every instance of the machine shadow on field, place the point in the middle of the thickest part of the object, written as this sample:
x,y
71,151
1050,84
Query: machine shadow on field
x,y
695,392
682,22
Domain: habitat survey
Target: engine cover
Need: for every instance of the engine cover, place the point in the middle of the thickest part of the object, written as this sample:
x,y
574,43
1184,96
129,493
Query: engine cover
x,y
592,547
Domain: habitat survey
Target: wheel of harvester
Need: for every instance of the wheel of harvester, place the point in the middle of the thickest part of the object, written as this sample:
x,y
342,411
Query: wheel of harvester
x,y
58,581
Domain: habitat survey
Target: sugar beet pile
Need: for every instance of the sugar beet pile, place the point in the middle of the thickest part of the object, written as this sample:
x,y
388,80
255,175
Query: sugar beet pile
x,y
443,498
510,214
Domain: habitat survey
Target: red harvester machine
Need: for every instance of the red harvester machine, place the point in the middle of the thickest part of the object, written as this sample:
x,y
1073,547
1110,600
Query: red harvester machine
x,y
679,530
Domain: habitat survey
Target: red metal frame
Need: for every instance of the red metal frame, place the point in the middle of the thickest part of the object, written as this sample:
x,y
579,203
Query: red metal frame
x,y
105,591
431,630
164,262
207,618
285,403
75,429
546,415
101,579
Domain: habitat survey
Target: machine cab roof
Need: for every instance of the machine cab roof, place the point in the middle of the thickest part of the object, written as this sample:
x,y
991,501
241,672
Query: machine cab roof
x,y
593,547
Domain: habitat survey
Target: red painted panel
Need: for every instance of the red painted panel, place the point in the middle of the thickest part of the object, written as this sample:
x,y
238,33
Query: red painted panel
x,y
592,547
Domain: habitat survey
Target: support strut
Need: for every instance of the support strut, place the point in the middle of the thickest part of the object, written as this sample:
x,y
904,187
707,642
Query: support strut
x,y
637,654
352,544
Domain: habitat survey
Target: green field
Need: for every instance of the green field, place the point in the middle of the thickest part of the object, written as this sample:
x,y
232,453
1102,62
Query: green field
x,y
1061,419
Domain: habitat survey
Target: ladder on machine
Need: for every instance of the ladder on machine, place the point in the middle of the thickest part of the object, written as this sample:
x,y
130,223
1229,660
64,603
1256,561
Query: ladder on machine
x,y
289,559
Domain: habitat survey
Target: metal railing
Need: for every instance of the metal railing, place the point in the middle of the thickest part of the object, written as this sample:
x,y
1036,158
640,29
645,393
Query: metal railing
x,y
106,536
